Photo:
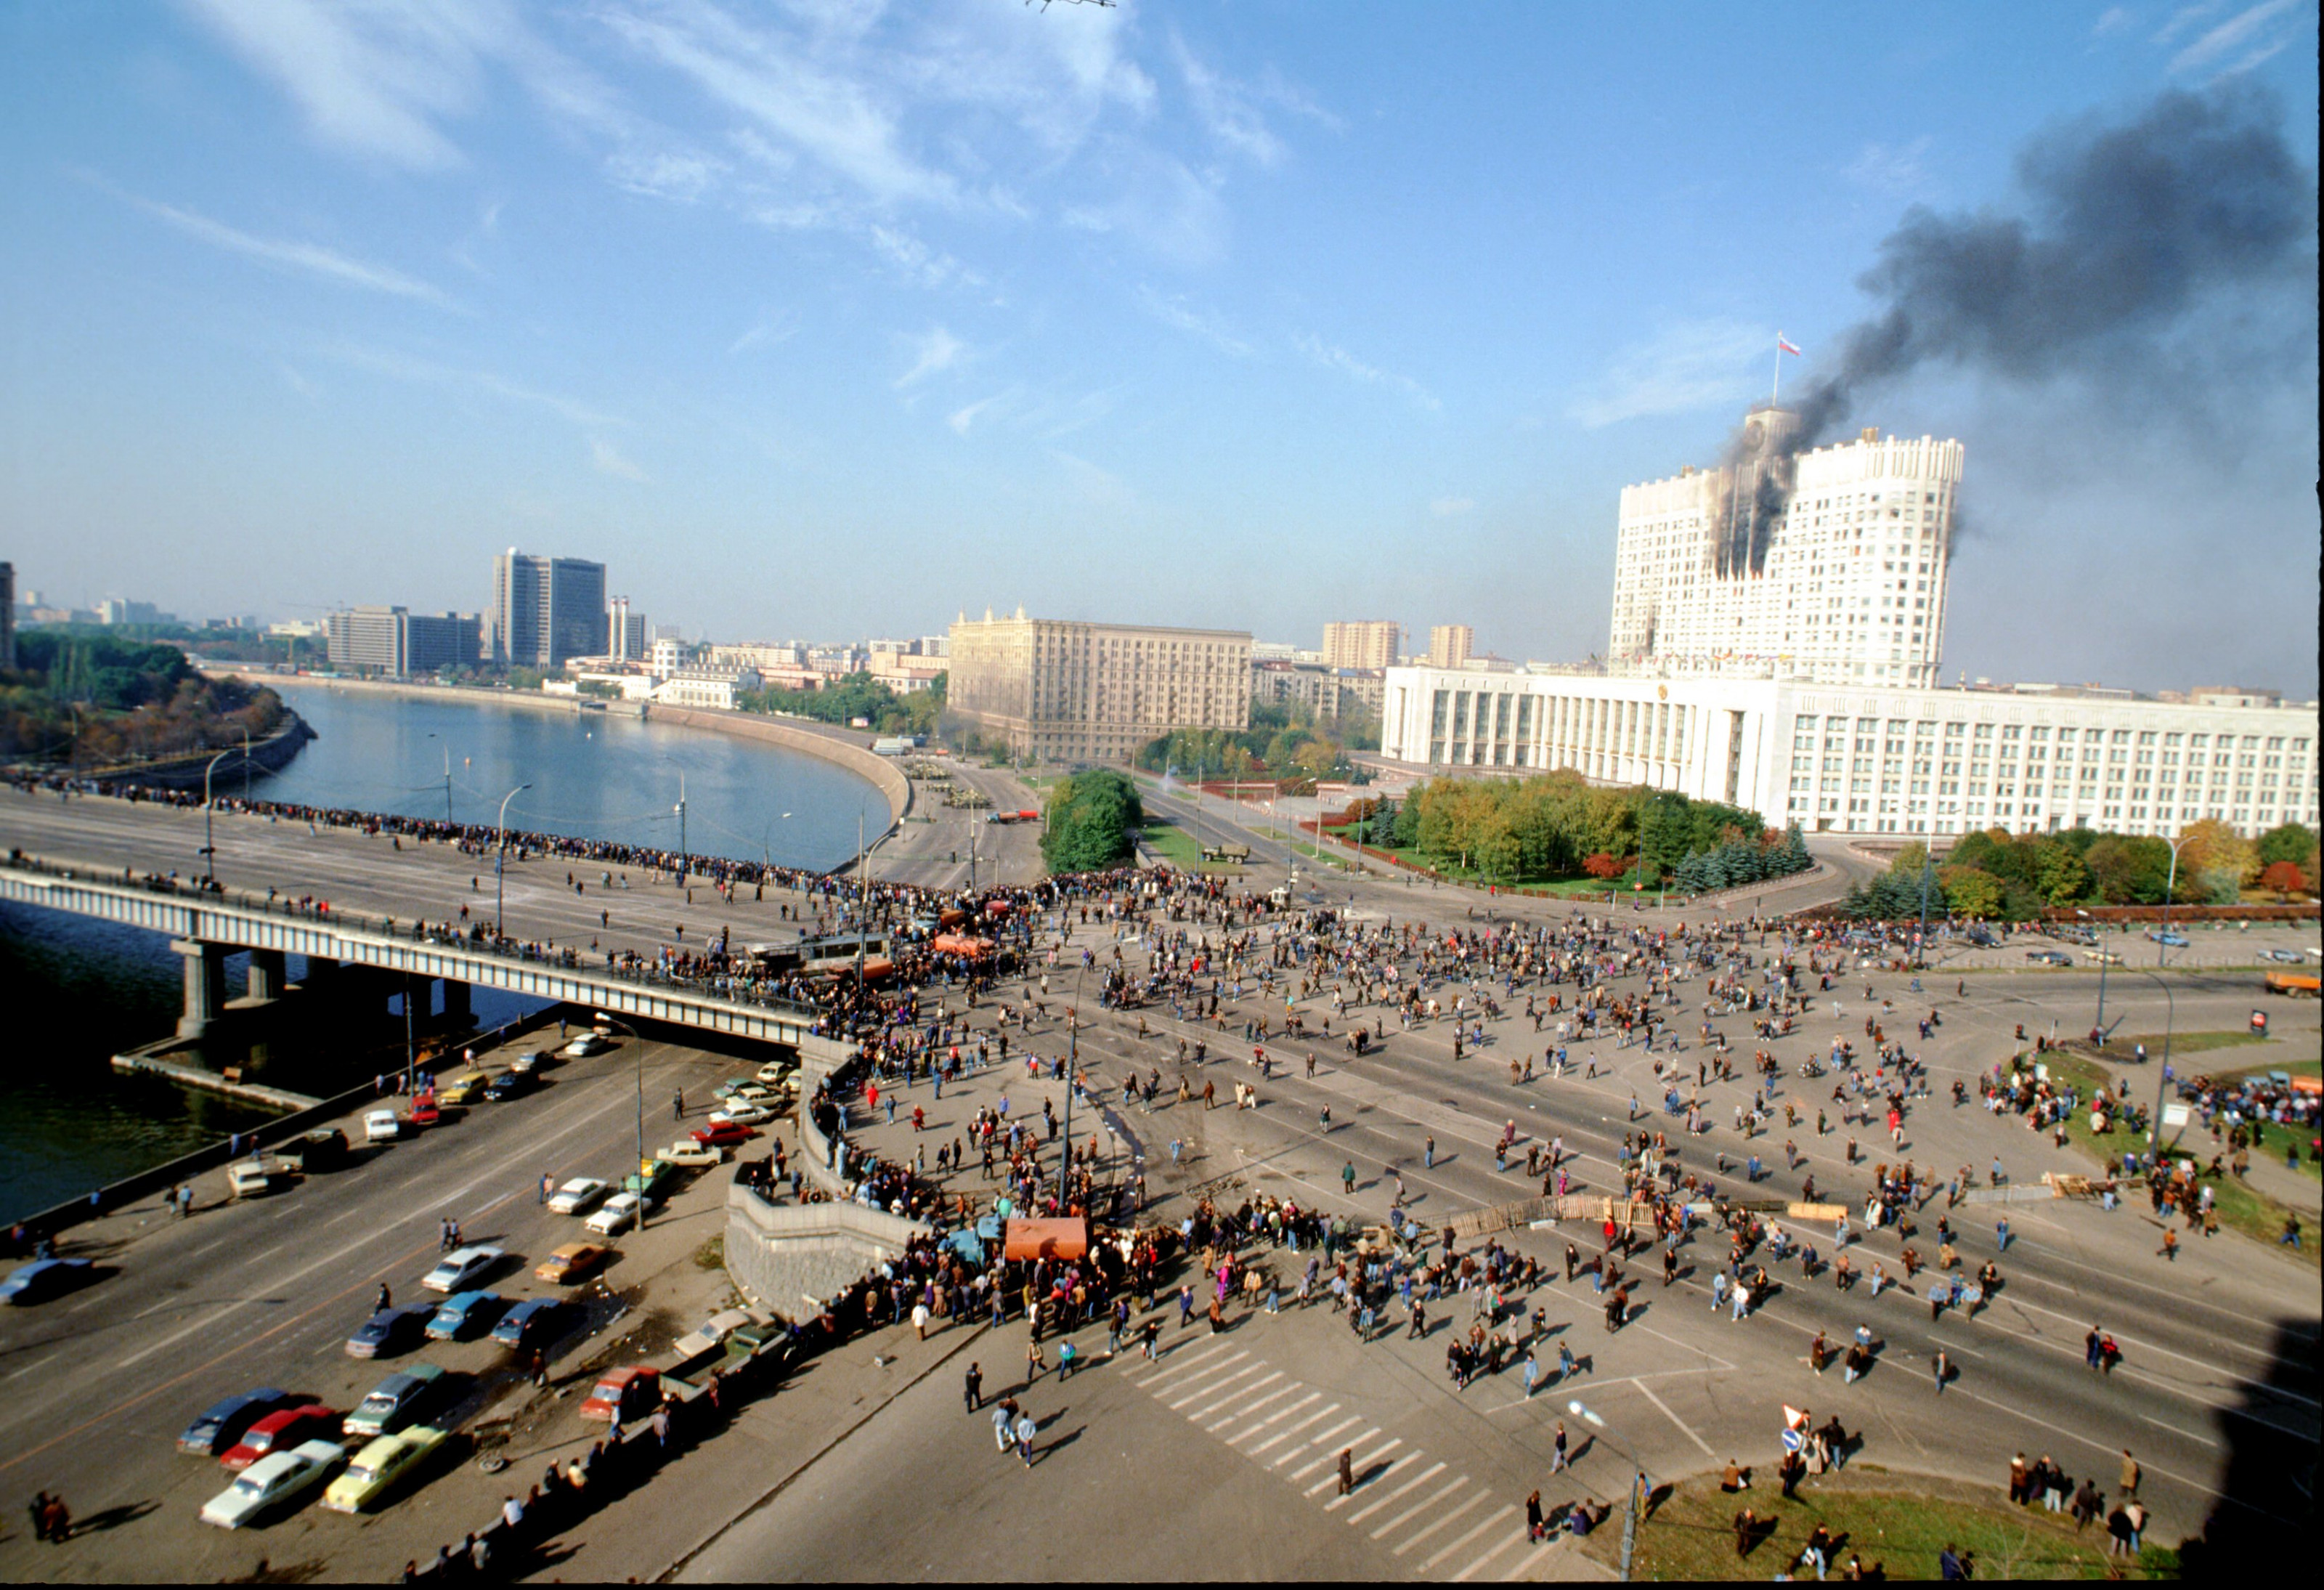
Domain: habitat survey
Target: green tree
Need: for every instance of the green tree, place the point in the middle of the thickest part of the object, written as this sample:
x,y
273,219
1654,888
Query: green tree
x,y
1092,822
2292,842
2060,878
1970,891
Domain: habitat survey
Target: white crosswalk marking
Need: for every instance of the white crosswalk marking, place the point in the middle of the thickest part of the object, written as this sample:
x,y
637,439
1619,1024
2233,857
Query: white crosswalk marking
x,y
1419,1507
1205,1372
1527,1564
1293,1430
1247,1408
1171,1362
1281,1413
1395,1470
1432,1470
1216,1385
1345,1424
1301,1471
1475,1566
1356,1467
1447,1521
1499,1515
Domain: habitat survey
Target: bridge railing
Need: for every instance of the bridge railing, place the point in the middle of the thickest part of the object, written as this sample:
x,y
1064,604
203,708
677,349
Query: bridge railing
x,y
212,896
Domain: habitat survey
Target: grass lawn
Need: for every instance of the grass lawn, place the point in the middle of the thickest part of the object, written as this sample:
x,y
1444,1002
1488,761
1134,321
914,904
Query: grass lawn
x,y
1178,848
2184,1043
1691,1535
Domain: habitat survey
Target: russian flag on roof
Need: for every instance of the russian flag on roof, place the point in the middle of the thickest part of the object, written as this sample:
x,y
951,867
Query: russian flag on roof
x,y
1787,347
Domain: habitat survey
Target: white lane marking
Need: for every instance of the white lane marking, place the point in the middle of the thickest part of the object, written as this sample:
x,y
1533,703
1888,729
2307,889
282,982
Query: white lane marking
x,y
1525,1565
1301,1471
1277,1414
1293,1430
1479,1564
1496,1517
1291,1452
28,1368
1171,1364
2175,1431
1429,1473
1447,1521
1420,1507
1649,1393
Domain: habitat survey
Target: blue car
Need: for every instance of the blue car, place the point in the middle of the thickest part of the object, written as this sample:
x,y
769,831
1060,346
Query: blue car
x,y
390,1331
221,1424
463,1314
2174,940
534,1322
43,1278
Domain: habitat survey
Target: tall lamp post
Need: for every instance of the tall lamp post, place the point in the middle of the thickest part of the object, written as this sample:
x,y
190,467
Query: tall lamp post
x,y
2101,944
209,846
1630,1510
863,894
447,774
2170,887
499,866
2163,1075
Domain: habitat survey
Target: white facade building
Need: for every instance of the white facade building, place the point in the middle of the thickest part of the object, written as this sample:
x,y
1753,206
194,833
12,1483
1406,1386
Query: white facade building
x,y
1793,672
1839,578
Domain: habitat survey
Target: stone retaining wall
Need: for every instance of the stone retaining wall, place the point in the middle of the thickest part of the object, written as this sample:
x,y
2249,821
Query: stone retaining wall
x,y
787,1256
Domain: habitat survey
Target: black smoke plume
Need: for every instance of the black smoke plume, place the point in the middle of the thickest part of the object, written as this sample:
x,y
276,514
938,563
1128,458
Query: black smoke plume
x,y
2125,230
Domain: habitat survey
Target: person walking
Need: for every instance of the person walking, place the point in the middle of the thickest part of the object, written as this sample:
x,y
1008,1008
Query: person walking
x,y
1941,1366
973,1387
1026,1430
1557,1460
677,1104
2129,1476
1347,1469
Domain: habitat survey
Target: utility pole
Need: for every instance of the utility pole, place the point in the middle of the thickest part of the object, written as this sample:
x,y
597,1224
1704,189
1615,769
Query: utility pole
x,y
1921,946
499,867
210,843
682,868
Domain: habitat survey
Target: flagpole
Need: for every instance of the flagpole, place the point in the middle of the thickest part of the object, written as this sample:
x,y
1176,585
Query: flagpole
x,y
1775,392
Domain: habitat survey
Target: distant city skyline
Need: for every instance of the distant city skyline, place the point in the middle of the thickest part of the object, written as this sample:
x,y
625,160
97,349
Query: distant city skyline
x,y
816,326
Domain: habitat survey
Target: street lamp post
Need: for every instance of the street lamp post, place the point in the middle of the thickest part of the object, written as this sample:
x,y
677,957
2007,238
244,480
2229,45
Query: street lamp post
x,y
2170,887
2161,1076
246,765
637,1044
499,866
447,774
682,868
2100,943
1630,1509
210,846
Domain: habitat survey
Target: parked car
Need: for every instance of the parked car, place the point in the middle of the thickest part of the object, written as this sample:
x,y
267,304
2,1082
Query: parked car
x,y
2050,958
730,1091
586,1044
396,1401
461,1266
382,1126
426,1110
463,1314
532,1062
690,1155
775,1073
534,1322
221,1425
257,1176
465,1088
380,1466
281,1430
719,1133
509,1085
390,1331
2290,956
578,1195
572,1263
323,1149
621,1211
742,1113
648,1178
274,1482
634,1389
2174,940
43,1278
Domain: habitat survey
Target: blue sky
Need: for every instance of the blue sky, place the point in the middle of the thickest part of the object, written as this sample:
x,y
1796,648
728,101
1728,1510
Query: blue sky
x,y
826,320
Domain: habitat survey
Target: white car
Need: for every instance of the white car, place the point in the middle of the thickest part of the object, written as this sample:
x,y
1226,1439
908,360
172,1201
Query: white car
x,y
578,1197
275,1479
460,1267
694,1156
743,1112
383,1126
585,1045
621,1211
530,1064
775,1072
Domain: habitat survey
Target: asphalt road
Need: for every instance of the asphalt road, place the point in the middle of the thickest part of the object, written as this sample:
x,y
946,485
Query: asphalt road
x,y
95,1387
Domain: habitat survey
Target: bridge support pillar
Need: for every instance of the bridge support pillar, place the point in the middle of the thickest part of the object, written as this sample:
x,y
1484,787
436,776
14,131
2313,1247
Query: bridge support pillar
x,y
270,974
456,1000
205,986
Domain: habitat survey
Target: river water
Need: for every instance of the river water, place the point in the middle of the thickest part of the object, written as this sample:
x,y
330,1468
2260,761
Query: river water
x,y
78,992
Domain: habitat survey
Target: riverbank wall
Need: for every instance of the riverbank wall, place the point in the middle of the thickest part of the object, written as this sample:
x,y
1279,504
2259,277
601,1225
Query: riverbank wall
x,y
270,755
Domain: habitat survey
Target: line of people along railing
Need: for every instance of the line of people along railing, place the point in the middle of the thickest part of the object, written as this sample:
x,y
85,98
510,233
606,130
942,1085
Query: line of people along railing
x,y
473,941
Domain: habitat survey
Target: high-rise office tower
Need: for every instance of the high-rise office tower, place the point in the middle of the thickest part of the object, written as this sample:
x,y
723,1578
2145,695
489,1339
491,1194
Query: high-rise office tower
x,y
547,609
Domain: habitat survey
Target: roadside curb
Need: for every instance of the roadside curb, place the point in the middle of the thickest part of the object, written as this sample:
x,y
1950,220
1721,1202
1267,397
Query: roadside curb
x,y
784,1483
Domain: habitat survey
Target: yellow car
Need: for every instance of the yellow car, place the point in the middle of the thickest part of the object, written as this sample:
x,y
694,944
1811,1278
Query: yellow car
x,y
464,1089
380,1467
572,1263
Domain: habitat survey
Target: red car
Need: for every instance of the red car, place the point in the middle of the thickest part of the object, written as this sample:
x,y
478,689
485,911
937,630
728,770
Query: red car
x,y
424,1111
721,1134
279,1432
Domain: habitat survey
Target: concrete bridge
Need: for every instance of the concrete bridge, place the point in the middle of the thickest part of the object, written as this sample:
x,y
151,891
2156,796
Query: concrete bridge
x,y
205,927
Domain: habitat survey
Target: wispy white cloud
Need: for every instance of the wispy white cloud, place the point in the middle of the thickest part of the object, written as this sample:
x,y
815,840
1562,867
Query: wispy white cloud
x,y
766,331
937,351
2185,17
423,372
609,460
1332,357
1451,507
1694,364
960,419
1892,169
2114,19
1177,314
1234,112
298,382
680,176
2239,43
310,259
